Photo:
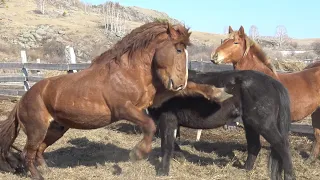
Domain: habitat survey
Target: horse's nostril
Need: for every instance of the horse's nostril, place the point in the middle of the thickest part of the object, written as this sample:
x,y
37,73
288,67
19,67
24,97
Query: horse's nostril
x,y
214,56
179,88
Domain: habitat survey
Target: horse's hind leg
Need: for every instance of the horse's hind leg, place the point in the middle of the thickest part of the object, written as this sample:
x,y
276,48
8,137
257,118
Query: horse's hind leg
x,y
281,152
253,146
275,165
55,132
36,132
315,116
133,114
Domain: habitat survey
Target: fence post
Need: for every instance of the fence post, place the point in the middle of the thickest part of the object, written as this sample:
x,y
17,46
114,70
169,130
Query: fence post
x,y
24,70
38,71
70,57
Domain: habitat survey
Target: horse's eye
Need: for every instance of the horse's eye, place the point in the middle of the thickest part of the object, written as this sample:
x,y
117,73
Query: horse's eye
x,y
179,51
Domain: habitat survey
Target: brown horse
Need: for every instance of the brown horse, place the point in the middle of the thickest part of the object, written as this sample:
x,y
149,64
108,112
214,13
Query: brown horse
x,y
120,83
303,86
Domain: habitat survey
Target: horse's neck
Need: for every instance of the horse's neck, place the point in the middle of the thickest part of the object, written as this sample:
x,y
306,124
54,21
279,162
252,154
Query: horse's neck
x,y
251,62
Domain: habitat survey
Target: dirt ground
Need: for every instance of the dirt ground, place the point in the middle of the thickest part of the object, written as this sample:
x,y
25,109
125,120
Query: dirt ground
x,y
103,154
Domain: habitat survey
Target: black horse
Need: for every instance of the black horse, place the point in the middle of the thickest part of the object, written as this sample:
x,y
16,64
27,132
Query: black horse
x,y
261,101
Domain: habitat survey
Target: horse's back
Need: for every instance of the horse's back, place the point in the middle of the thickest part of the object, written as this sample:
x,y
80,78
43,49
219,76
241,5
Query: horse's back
x,y
186,104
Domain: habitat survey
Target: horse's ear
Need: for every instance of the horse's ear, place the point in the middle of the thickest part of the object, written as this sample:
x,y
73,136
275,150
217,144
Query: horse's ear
x,y
172,32
230,30
241,31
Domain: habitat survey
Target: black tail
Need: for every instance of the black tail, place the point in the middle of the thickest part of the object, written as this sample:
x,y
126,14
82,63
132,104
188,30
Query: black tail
x,y
284,124
9,130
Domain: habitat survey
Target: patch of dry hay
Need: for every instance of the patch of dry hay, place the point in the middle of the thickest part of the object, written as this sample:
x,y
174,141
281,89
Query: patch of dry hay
x,y
103,154
289,65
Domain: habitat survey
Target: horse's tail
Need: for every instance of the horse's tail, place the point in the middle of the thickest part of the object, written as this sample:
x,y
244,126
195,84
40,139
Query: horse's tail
x,y
284,123
9,130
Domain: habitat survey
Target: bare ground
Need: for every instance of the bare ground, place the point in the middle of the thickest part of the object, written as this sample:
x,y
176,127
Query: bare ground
x,y
103,154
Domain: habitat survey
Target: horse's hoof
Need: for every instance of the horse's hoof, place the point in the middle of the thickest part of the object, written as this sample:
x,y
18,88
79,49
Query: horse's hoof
x,y
21,171
247,167
162,172
44,169
37,178
223,95
136,155
230,127
4,166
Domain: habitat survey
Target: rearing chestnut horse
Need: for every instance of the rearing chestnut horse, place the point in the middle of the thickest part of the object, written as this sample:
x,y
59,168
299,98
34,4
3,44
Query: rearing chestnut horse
x,y
303,86
150,61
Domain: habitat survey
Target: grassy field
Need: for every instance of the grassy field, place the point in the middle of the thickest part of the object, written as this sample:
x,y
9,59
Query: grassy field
x,y
103,154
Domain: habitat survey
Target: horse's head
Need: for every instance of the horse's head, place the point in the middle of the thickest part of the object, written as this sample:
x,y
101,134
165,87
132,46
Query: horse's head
x,y
171,58
232,49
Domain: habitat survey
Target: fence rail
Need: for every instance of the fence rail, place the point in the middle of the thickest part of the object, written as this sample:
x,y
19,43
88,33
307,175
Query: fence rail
x,y
44,66
25,78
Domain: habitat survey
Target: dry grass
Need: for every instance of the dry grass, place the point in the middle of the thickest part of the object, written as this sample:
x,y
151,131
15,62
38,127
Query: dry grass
x,y
289,65
103,154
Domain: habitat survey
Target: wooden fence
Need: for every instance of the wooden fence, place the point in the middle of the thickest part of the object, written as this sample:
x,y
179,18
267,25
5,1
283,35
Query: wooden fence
x,y
26,78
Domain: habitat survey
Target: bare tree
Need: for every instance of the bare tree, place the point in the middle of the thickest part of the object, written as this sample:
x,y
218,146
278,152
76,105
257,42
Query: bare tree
x,y
41,5
253,32
114,18
316,47
281,34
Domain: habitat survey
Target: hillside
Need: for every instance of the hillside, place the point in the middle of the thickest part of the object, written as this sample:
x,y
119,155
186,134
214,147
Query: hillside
x,y
45,35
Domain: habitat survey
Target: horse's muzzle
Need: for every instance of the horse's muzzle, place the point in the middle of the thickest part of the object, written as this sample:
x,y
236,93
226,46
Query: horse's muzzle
x,y
214,58
172,87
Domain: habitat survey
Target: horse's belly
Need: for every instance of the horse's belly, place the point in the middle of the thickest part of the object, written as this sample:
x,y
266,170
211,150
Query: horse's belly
x,y
90,117
84,121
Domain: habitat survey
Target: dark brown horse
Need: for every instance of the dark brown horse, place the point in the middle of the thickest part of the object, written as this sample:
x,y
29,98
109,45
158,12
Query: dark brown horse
x,y
120,83
303,86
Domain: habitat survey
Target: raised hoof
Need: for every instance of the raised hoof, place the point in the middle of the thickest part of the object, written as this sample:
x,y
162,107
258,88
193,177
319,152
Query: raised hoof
x,y
162,172
222,95
230,127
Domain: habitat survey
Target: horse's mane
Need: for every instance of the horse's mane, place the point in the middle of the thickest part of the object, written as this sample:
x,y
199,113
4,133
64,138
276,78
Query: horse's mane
x,y
258,52
140,38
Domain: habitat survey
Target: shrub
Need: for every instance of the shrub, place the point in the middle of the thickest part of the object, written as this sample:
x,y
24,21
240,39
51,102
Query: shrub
x,y
316,47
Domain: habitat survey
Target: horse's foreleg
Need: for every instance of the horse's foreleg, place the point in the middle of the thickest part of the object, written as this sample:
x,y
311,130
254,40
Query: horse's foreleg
x,y
133,114
208,91
168,124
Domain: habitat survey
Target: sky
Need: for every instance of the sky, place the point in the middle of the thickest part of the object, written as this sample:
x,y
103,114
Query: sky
x,y
300,17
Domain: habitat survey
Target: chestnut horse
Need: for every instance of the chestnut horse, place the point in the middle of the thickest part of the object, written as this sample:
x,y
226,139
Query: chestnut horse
x,y
303,86
119,84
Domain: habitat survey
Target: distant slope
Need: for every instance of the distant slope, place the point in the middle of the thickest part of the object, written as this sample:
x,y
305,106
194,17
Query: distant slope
x,y
45,36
